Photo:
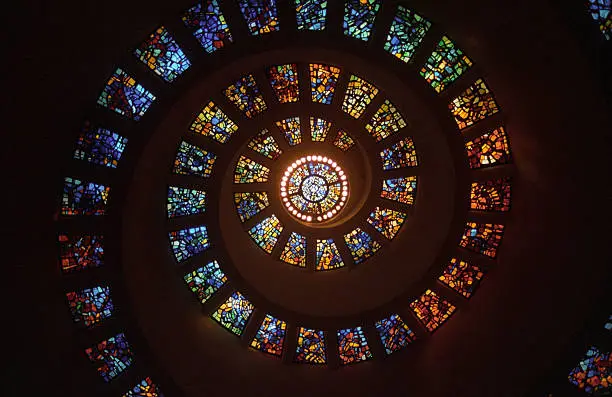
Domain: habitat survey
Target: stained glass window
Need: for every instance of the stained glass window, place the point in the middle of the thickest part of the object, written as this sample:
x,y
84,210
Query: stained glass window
x,y
343,141
213,123
394,333
290,128
91,305
310,347
183,201
208,25
113,356
407,31
270,336
264,144
294,252
81,252
246,96
319,129
483,238
100,146
491,195
608,324
260,15
400,189
359,94
462,277
249,171
284,82
387,222
146,388
323,79
249,204
601,12
189,242
386,121
399,155
353,346
445,64
361,245
488,150
432,310
206,280
191,160
162,54
123,95
84,198
474,104
593,374
234,313
328,256
359,16
266,233
310,14
314,189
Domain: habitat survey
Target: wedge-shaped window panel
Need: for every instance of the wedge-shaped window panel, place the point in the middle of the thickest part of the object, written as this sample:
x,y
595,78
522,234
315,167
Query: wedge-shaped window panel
x,y
394,333
489,150
402,190
323,79
290,128
265,144
359,16
100,146
319,129
432,310
184,201
399,155
266,233
249,204
249,171
406,33
81,252
145,388
234,313
445,64
213,123
112,356
361,245
91,305
310,347
601,12
188,242
284,82
246,96
387,222
462,277
353,346
483,238
474,104
386,121
491,195
294,252
270,336
593,374
124,96
206,280
162,54
310,14
328,256
343,141
358,96
261,16
208,25
84,198
191,160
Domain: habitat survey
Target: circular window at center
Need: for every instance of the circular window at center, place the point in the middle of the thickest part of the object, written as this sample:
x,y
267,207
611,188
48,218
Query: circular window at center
x,y
314,189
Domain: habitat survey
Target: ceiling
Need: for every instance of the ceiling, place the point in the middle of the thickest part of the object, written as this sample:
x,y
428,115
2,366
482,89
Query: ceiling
x,y
548,282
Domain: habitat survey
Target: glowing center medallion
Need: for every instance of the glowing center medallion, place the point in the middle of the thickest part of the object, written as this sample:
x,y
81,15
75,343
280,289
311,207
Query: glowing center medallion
x,y
314,189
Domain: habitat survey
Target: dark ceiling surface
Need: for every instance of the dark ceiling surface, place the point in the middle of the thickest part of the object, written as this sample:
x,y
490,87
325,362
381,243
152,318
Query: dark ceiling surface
x,y
553,273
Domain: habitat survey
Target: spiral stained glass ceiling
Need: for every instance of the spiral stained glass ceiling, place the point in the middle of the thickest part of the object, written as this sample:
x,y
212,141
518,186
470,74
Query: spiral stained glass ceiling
x,y
303,168
314,188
